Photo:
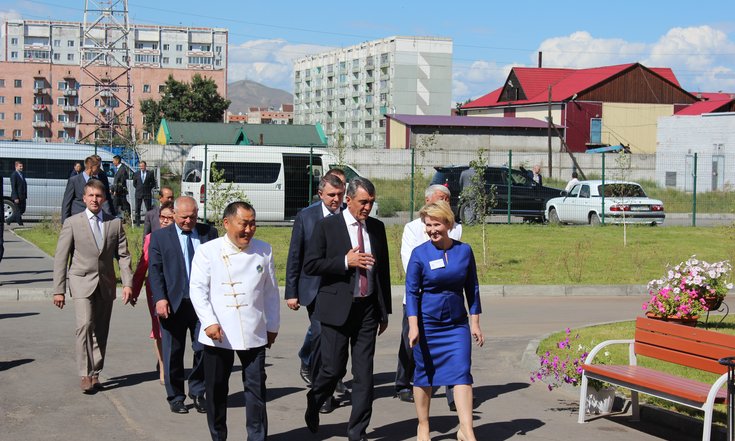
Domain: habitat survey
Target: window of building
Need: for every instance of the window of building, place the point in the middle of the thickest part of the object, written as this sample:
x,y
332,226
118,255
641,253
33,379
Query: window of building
x,y
146,88
165,47
18,83
40,133
138,45
161,88
154,46
61,134
70,43
57,56
62,118
2,116
218,62
146,136
63,85
17,100
179,60
139,58
69,57
368,124
17,116
2,83
57,43
200,60
13,41
2,100
17,133
179,47
2,133
164,60
382,123
218,49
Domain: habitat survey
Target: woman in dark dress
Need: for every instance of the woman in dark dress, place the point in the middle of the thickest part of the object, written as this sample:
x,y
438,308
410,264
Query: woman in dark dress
x,y
441,274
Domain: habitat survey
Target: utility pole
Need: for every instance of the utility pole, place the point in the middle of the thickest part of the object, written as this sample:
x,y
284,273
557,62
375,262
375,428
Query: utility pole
x,y
548,131
106,87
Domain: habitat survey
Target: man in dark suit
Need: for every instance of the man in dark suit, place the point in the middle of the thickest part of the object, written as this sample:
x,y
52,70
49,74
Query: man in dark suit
x,y
151,224
301,288
73,201
120,187
170,253
144,182
18,191
350,254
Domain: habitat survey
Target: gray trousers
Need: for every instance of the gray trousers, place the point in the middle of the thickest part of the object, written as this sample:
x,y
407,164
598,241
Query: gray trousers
x,y
93,325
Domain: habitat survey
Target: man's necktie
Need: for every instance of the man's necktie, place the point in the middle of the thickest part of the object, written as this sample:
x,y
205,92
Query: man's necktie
x,y
97,232
189,250
363,271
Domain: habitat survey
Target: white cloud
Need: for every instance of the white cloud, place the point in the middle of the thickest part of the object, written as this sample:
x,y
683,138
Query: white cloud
x,y
471,81
701,57
268,61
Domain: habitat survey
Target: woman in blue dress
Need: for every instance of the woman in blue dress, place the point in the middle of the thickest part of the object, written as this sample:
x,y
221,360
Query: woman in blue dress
x,y
441,274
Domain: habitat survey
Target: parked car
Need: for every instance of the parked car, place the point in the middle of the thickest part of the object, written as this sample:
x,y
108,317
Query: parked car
x,y
624,202
527,199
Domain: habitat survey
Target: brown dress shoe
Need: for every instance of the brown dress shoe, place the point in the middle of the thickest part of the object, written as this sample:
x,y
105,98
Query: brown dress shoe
x,y
86,385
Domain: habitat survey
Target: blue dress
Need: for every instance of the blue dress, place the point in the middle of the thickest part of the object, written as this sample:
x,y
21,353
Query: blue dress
x,y
437,282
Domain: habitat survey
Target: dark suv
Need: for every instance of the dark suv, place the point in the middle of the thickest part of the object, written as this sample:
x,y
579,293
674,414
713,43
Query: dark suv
x,y
527,199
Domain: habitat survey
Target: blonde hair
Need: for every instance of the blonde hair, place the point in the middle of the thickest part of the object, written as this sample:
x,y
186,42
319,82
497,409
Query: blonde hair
x,y
438,210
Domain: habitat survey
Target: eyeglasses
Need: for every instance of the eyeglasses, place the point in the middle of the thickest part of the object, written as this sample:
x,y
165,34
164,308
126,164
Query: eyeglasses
x,y
168,218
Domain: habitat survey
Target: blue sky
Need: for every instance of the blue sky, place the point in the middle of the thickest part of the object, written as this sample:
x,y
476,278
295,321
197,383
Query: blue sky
x,y
695,39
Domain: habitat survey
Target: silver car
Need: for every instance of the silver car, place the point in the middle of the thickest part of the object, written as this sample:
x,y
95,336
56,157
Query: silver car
x,y
624,202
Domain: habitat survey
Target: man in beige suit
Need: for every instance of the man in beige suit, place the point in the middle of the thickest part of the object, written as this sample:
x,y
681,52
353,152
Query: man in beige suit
x,y
88,243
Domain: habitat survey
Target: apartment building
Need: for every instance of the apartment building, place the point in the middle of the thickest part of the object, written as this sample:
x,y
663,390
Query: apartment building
x,y
349,91
40,74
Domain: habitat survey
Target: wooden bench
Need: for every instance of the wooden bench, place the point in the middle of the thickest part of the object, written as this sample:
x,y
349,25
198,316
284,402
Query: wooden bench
x,y
683,345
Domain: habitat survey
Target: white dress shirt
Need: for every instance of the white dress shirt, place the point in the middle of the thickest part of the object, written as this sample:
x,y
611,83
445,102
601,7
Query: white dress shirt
x,y
352,230
96,219
326,212
414,234
236,289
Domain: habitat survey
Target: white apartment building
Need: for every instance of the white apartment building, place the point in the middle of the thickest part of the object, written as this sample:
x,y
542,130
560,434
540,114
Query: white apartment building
x,y
349,91
41,74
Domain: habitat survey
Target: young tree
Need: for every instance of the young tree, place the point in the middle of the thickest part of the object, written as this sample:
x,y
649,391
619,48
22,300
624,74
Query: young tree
x,y
197,101
623,161
476,200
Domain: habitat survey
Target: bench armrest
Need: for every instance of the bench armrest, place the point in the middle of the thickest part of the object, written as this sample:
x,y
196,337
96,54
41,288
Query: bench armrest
x,y
600,346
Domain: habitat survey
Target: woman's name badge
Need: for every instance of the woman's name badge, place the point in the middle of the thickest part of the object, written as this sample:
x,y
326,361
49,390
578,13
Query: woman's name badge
x,y
435,264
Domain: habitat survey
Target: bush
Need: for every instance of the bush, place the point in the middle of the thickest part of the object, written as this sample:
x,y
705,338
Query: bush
x,y
389,206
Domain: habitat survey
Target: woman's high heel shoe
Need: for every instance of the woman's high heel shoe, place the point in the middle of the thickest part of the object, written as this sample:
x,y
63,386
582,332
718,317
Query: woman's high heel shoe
x,y
460,436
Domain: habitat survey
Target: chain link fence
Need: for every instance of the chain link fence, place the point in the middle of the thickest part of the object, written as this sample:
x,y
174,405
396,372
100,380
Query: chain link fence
x,y
280,181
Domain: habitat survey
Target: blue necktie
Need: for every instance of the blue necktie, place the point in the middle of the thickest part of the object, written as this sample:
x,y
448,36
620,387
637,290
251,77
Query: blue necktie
x,y
189,250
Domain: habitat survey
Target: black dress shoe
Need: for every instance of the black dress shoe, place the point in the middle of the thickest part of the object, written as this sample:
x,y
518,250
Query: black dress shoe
x,y
178,406
312,419
305,373
405,395
329,405
200,404
340,388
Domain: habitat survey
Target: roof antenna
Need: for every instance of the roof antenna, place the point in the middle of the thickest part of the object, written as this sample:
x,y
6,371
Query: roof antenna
x,y
540,59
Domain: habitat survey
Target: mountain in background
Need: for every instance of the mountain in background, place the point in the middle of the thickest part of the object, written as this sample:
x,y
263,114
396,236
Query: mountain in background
x,y
246,93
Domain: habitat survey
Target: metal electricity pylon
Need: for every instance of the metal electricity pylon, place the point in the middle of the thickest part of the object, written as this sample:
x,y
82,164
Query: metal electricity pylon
x,y
106,88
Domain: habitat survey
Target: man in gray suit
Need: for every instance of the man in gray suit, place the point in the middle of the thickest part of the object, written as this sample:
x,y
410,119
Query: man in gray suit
x,y
88,243
73,201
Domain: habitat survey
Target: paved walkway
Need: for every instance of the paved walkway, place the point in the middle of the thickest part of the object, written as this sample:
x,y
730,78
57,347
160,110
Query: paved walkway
x,y
41,400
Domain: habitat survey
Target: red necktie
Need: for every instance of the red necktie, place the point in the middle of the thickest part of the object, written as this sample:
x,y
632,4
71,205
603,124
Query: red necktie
x,y
363,271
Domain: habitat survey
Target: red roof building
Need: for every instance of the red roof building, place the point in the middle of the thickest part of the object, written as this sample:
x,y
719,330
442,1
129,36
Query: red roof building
x,y
597,106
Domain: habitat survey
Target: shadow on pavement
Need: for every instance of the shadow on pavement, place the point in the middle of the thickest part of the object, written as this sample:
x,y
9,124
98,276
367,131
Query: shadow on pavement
x,y
237,399
485,393
7,365
17,315
130,380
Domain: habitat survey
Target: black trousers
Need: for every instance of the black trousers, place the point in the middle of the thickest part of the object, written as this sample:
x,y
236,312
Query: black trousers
x,y
217,369
138,203
21,210
173,342
406,364
357,336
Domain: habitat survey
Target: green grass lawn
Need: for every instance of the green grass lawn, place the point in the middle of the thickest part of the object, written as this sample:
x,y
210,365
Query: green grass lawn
x,y
527,254
591,336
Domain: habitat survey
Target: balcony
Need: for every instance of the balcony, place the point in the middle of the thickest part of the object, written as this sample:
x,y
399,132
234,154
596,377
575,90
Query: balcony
x,y
70,92
370,79
70,125
369,105
106,93
40,107
201,54
69,109
41,90
147,51
40,124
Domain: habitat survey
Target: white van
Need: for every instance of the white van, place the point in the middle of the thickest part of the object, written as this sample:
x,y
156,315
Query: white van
x,y
47,167
276,180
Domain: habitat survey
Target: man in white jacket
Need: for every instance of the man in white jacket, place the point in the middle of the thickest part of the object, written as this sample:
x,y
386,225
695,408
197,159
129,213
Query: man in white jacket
x,y
234,292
